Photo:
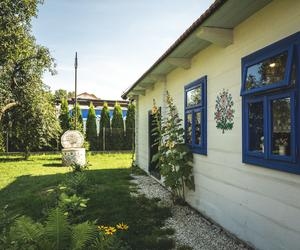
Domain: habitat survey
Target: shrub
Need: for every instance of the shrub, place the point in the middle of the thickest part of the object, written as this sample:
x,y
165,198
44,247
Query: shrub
x,y
78,168
58,233
79,119
104,124
5,222
109,242
76,182
91,128
130,122
64,116
72,205
174,157
25,233
117,125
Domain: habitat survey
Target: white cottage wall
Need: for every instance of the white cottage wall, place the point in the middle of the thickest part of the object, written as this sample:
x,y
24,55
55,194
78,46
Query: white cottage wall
x,y
144,106
259,205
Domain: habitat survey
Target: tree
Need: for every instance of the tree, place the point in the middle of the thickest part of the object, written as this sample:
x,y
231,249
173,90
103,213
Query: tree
x,y
104,126
79,119
64,116
91,128
22,60
130,124
22,92
15,18
34,123
2,143
117,125
60,94
71,94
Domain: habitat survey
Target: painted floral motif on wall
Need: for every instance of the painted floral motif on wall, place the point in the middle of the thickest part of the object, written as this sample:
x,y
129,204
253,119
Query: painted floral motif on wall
x,y
224,112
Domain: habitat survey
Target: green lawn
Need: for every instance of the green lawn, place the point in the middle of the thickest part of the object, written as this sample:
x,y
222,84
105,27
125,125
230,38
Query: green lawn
x,y
23,185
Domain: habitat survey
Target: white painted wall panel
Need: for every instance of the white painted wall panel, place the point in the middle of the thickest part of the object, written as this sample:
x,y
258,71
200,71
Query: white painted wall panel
x,y
145,105
259,205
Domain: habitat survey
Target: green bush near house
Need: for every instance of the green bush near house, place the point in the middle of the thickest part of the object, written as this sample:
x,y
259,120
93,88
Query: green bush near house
x,y
91,128
64,116
174,158
104,133
79,123
117,125
130,123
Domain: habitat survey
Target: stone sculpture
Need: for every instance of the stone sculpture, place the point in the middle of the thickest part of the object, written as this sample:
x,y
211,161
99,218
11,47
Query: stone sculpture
x,y
73,152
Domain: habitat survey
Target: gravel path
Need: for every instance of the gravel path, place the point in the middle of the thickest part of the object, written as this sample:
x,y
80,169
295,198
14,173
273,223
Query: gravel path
x,y
191,228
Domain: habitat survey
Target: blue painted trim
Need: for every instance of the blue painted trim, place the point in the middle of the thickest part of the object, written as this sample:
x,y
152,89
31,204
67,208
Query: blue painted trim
x,y
274,49
290,163
202,107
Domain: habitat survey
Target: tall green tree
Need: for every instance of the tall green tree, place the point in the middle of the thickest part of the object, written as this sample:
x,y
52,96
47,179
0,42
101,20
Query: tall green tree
x,y
91,128
79,123
2,142
130,123
64,116
60,94
117,125
22,61
104,139
34,124
71,94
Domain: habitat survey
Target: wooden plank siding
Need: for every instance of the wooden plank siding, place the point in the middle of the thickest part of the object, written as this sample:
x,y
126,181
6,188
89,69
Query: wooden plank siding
x,y
259,205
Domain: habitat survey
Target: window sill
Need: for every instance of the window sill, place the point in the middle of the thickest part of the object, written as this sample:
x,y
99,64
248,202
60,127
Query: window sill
x,y
277,165
197,150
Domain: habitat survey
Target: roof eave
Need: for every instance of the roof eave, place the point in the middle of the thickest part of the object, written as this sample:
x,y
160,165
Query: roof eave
x,y
210,27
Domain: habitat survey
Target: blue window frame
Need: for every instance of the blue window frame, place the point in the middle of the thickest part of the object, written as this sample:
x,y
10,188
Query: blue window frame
x,y
195,104
271,108
284,50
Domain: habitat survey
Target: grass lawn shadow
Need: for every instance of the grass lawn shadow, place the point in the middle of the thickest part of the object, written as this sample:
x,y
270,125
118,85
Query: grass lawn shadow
x,y
15,159
52,159
110,203
53,165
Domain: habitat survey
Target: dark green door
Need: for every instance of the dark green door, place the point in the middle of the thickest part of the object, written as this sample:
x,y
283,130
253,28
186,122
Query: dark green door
x,y
153,149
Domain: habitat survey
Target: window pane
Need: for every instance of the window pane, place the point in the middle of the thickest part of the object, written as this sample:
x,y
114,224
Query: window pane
x,y
256,127
193,97
189,128
198,128
281,126
267,72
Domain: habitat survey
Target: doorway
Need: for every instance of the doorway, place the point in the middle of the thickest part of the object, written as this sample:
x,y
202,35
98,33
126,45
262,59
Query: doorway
x,y
153,149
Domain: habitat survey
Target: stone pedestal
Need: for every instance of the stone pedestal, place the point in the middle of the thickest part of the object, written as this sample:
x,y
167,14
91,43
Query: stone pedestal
x,y
71,156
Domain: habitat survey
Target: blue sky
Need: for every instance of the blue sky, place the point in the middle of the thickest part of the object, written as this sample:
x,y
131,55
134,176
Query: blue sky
x,y
116,40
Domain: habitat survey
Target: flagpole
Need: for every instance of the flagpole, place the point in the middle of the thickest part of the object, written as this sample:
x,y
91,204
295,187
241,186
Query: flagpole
x,y
76,66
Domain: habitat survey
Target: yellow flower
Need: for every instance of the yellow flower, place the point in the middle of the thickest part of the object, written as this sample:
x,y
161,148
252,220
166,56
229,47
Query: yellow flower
x,y
102,227
122,226
110,230
154,110
171,145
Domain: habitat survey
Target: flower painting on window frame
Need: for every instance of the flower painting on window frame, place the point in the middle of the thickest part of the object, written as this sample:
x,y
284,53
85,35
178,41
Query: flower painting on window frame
x,y
224,112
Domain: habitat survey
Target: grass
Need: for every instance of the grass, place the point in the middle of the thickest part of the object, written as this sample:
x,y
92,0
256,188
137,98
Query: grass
x,y
23,185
